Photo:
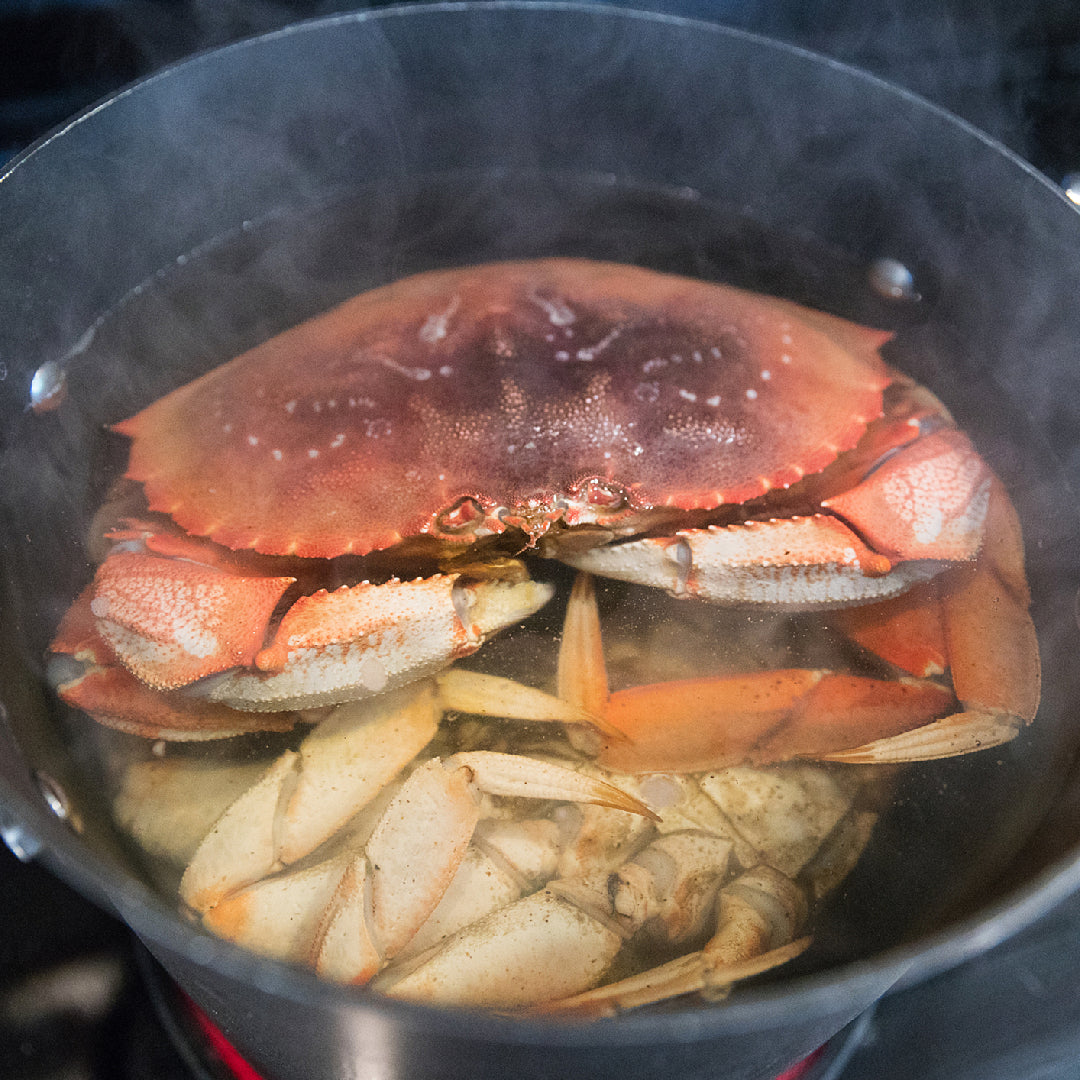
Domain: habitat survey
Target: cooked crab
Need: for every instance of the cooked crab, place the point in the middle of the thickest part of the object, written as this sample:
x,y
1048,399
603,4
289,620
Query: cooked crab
x,y
333,519
714,442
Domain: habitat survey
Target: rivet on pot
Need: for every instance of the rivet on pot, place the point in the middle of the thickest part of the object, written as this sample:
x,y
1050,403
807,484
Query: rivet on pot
x,y
57,801
892,280
22,844
48,387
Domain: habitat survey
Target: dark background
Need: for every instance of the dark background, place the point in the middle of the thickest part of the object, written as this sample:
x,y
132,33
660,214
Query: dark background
x,y
74,1004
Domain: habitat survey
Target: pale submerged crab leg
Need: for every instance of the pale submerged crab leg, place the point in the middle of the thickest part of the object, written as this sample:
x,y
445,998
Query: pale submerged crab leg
x,y
759,916
697,874
365,900
342,765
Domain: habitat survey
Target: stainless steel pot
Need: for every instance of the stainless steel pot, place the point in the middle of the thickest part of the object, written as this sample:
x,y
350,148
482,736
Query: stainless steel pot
x,y
236,193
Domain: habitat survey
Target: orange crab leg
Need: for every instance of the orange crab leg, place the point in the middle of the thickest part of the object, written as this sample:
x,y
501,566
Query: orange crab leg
x,y
973,620
991,637
691,725
709,723
908,630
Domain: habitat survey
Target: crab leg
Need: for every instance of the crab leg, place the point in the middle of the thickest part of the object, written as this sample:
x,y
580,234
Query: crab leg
x,y
696,724
712,845
759,915
976,619
339,768
812,832
356,909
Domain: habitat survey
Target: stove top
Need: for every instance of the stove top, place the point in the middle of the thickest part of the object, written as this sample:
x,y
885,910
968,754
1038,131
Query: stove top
x,y
78,998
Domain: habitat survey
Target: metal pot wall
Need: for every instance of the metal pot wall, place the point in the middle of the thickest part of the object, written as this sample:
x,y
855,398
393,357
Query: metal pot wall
x,y
232,195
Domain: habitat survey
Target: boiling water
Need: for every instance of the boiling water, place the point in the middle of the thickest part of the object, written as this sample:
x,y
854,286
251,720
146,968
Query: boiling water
x,y
946,828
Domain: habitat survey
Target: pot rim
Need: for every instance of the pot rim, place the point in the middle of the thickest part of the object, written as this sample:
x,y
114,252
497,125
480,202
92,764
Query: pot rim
x,y
158,924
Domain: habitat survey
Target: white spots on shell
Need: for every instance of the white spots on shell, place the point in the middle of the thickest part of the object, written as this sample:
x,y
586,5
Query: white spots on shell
x,y
688,395
290,406
371,672
337,440
751,394
316,406
715,352
562,356
657,363
437,326
99,607
253,440
559,313
195,641
697,357
446,371
786,339
647,392
417,374
713,401
312,452
332,403
785,358
593,351
276,454
227,428
766,375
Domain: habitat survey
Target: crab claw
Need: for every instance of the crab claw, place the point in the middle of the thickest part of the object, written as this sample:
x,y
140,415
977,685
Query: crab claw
x,y
150,622
172,621
88,676
368,639
920,509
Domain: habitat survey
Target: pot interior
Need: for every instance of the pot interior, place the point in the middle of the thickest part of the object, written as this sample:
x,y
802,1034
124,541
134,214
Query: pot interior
x,y
950,826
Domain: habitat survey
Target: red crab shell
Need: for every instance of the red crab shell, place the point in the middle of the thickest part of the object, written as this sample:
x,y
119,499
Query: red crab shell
x,y
510,391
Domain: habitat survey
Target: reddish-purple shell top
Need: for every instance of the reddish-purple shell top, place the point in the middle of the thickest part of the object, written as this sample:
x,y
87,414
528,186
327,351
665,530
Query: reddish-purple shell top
x,y
514,386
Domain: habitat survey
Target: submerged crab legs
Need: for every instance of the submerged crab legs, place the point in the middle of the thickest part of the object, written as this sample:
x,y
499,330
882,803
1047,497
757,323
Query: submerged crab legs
x,y
720,889
339,769
355,904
